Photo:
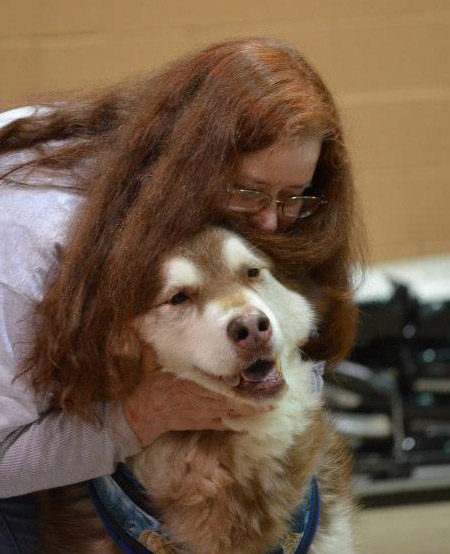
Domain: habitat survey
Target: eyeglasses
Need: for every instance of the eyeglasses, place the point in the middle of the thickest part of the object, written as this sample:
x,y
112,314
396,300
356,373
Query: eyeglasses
x,y
292,207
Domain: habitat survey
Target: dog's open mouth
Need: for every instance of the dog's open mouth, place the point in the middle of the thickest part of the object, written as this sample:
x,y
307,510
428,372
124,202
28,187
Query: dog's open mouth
x,y
262,377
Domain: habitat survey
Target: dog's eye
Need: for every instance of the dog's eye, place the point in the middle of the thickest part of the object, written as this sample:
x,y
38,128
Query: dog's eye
x,y
253,272
179,298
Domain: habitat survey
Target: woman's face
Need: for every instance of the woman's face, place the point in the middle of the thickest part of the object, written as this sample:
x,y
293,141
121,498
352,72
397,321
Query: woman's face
x,y
284,169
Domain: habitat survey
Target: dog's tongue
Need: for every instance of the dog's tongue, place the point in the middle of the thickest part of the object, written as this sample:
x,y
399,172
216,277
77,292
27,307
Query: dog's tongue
x,y
259,372
262,370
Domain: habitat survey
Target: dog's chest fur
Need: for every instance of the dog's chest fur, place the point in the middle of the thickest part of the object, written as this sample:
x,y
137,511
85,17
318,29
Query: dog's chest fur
x,y
217,496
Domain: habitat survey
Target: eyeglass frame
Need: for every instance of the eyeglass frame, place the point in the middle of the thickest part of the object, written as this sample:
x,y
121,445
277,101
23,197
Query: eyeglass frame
x,y
281,203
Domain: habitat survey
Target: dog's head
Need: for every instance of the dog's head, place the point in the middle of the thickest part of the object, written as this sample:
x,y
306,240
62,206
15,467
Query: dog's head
x,y
222,320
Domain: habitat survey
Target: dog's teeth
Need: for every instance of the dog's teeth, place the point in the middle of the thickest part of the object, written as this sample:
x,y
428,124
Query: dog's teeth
x,y
233,380
278,366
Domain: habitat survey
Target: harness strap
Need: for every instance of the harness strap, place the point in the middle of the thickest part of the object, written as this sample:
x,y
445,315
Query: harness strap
x,y
304,524
123,539
125,511
313,519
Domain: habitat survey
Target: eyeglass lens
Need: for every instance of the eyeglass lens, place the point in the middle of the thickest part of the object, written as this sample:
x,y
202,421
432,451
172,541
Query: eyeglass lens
x,y
250,201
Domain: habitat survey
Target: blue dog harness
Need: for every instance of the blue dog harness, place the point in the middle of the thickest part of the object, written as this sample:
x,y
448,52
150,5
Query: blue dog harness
x,y
132,521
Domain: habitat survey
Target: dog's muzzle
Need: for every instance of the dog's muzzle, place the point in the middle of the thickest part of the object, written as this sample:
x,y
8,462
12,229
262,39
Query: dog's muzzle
x,y
251,334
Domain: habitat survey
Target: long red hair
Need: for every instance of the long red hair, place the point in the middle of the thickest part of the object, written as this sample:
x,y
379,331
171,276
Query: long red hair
x,y
154,157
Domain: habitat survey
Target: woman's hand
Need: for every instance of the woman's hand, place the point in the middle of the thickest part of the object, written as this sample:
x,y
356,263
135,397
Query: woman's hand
x,y
163,403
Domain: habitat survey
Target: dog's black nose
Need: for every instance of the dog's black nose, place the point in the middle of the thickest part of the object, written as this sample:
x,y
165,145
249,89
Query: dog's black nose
x,y
250,331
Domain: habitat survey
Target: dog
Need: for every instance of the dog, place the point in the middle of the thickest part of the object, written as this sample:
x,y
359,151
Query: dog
x,y
223,320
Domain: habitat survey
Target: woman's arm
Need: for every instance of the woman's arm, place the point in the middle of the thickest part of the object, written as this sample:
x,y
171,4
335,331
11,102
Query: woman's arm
x,y
59,449
42,450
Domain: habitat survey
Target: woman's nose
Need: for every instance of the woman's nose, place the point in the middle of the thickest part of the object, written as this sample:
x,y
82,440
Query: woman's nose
x,y
267,219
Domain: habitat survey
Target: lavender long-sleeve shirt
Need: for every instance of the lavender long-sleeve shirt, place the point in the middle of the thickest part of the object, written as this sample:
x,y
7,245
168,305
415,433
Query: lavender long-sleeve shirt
x,y
40,449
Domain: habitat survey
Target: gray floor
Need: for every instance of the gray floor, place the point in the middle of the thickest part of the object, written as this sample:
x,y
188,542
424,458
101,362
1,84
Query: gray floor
x,y
411,529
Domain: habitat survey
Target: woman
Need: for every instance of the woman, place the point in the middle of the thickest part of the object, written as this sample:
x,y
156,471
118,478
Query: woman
x,y
95,190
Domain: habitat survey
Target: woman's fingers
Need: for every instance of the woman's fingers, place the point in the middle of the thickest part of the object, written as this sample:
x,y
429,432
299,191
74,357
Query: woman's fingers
x,y
164,403
223,403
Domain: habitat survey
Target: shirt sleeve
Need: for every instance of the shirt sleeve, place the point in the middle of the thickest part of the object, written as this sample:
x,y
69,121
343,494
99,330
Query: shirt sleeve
x,y
41,449
58,449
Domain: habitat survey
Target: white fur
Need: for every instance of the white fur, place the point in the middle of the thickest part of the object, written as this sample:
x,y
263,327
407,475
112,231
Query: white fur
x,y
179,273
339,536
236,253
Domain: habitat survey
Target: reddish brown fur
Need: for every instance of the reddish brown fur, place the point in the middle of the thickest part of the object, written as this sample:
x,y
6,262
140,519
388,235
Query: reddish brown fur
x,y
224,516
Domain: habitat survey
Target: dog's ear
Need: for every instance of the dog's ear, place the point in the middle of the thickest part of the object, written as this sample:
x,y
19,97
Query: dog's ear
x,y
149,358
336,332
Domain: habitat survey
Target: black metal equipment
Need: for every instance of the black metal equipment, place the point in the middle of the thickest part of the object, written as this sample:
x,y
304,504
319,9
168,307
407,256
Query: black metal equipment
x,y
392,398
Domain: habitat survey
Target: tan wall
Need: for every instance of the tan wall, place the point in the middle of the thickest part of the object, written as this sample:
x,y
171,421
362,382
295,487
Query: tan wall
x,y
386,61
